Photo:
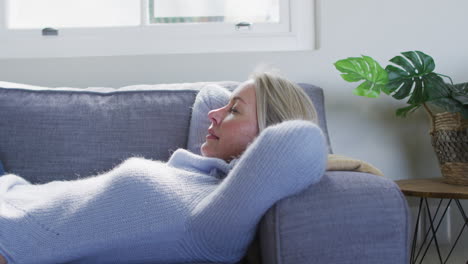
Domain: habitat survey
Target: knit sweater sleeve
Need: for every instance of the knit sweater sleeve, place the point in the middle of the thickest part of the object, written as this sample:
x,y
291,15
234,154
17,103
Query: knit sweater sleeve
x,y
282,161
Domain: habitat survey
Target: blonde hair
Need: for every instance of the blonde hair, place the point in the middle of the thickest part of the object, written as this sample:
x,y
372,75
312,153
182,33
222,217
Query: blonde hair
x,y
278,100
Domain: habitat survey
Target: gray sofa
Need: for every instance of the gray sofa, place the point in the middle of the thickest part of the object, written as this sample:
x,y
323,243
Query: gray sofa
x,y
51,134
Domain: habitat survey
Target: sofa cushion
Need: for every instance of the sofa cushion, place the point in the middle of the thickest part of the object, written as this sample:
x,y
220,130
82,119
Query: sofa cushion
x,y
316,95
347,217
65,133
2,171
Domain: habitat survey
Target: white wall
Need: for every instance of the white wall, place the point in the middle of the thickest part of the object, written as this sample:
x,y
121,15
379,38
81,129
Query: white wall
x,y
359,127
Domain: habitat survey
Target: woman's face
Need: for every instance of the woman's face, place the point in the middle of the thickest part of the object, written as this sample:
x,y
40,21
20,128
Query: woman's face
x,y
233,126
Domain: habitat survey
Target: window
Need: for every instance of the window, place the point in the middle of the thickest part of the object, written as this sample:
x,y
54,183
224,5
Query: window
x,y
214,11
74,28
36,14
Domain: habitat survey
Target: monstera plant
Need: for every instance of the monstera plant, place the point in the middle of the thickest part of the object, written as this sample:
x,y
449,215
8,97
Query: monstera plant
x,y
412,76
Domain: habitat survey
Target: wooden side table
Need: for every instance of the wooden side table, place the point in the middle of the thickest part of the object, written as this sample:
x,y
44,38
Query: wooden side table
x,y
433,188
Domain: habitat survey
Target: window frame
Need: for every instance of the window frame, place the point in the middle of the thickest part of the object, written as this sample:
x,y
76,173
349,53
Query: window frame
x,y
296,31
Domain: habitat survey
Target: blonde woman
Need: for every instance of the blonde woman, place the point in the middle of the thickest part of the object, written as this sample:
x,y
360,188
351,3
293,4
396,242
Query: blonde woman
x,y
271,99
194,208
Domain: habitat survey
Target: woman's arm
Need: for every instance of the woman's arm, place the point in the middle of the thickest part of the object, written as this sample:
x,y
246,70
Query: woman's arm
x,y
282,161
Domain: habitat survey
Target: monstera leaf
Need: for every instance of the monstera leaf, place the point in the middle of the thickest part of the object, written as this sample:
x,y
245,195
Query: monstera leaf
x,y
457,101
460,93
356,69
414,78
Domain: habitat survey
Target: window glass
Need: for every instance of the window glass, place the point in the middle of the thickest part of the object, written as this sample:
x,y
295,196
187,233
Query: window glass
x,y
198,11
138,27
24,14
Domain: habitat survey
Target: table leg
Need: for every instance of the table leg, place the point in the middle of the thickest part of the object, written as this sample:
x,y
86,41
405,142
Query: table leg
x,y
433,230
414,256
415,235
462,212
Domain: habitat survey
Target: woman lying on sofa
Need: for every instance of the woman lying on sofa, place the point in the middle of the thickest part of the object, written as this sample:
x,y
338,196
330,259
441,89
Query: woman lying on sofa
x,y
261,147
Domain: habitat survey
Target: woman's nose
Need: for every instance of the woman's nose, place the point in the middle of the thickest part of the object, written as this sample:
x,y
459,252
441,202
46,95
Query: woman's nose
x,y
216,116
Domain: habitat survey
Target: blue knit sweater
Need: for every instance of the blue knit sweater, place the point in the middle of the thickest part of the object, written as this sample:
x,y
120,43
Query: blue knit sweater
x,y
190,209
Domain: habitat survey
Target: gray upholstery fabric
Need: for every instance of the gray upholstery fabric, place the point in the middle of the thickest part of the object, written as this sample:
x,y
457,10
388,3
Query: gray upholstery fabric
x,y
316,94
51,134
347,217
67,133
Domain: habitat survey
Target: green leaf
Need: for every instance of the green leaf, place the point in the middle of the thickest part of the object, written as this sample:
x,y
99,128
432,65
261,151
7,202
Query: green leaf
x,y
385,90
395,78
414,78
365,69
403,112
420,60
405,89
418,96
351,77
460,93
463,99
377,73
365,89
448,104
400,61
456,101
436,87
464,112
414,58
461,88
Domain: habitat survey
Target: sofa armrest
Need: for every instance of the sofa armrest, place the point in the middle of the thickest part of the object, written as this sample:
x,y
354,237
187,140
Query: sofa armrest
x,y
347,217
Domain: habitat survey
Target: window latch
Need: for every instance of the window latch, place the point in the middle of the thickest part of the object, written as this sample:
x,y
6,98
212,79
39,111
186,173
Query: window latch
x,y
49,32
243,26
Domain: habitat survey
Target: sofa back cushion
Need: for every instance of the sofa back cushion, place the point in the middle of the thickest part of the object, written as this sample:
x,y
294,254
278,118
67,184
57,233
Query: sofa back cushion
x,y
316,95
51,134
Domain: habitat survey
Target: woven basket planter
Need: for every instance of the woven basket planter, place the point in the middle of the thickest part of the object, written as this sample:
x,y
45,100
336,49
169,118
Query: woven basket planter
x,y
449,133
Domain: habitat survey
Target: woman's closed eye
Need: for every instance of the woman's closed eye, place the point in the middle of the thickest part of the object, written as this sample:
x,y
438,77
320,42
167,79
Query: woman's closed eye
x,y
233,110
